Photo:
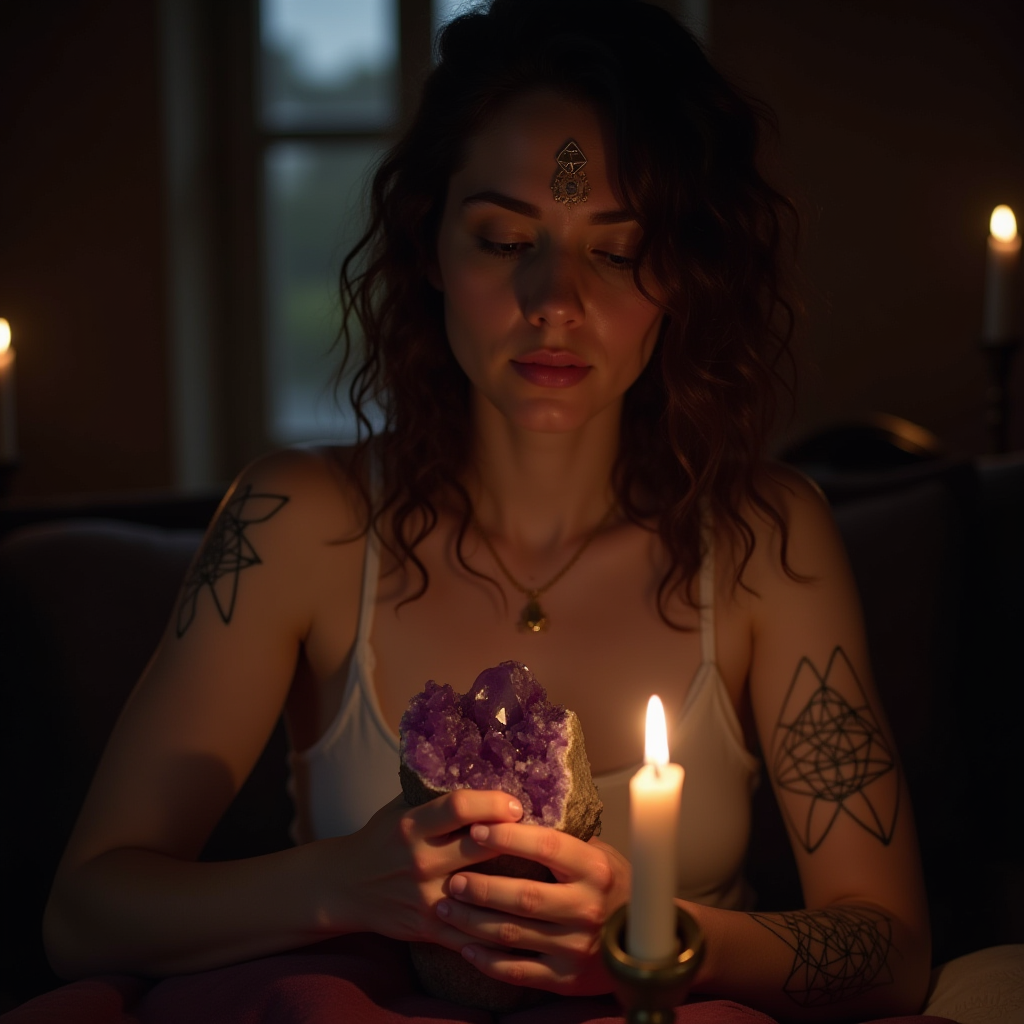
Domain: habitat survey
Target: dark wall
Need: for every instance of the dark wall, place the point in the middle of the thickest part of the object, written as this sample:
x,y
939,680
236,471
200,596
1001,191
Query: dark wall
x,y
902,126
82,243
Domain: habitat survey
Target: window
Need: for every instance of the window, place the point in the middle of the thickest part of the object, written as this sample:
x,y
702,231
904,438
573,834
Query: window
x,y
330,87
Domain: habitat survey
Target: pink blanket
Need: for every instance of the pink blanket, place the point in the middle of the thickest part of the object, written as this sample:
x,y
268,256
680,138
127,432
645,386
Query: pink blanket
x,y
359,979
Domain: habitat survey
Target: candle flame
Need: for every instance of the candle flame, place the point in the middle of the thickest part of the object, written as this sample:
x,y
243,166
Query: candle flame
x,y
1003,224
5,335
656,738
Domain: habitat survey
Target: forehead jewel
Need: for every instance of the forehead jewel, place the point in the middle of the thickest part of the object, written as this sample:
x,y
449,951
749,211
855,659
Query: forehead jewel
x,y
570,184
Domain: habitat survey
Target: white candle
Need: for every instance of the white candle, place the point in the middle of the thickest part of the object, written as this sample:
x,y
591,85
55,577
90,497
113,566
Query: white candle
x,y
8,438
654,820
1002,277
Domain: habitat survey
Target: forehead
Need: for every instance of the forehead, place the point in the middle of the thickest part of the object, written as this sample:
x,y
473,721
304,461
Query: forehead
x,y
519,146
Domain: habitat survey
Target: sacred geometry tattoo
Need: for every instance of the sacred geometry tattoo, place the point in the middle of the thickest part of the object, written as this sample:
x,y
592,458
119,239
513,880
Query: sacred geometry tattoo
x,y
831,756
225,554
840,952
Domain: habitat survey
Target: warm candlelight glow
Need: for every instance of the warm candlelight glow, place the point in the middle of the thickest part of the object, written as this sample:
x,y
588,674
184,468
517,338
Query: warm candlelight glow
x,y
1003,224
1001,312
656,736
8,424
654,794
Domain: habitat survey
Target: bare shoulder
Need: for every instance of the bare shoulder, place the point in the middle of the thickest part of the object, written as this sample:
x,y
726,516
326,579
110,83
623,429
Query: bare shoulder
x,y
290,517
323,487
795,536
290,504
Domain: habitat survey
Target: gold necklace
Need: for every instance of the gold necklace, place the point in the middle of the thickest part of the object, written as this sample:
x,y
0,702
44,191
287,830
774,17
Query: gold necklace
x,y
532,617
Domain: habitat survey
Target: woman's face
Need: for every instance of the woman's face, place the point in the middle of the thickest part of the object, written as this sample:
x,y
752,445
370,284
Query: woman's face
x,y
541,309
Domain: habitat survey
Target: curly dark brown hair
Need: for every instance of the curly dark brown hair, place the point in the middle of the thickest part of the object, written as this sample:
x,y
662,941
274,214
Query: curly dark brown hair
x,y
716,237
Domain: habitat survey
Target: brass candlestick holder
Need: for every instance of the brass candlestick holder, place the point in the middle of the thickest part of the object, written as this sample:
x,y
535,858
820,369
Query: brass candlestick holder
x,y
649,990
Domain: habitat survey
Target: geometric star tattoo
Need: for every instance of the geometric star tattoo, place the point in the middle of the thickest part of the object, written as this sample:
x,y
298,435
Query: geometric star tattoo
x,y
840,952
225,554
831,756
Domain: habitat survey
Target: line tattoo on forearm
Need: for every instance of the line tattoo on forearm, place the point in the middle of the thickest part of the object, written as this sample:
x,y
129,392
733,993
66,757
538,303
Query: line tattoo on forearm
x,y
840,952
225,554
830,755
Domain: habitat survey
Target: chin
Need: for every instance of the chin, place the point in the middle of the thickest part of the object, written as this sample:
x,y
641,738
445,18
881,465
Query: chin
x,y
546,417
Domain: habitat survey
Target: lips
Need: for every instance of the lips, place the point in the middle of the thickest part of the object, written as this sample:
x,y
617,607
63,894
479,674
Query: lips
x,y
552,357
550,368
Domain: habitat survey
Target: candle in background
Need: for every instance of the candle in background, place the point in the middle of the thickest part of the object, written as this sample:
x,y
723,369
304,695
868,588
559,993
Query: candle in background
x,y
653,822
8,438
1002,277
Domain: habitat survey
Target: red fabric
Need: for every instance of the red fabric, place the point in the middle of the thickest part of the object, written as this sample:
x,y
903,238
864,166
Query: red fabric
x,y
96,1001
364,979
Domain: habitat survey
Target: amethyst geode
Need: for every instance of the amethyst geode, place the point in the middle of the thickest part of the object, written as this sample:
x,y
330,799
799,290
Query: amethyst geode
x,y
503,734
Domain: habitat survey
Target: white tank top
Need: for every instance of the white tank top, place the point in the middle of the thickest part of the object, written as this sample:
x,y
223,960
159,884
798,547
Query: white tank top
x,y
352,769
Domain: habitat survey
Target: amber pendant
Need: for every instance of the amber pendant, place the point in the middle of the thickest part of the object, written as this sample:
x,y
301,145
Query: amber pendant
x,y
532,619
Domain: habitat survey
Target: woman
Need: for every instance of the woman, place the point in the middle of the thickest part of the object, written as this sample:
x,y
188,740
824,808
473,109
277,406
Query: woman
x,y
570,295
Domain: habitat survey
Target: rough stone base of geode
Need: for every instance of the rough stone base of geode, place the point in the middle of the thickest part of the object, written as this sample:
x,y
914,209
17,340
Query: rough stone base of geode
x,y
443,972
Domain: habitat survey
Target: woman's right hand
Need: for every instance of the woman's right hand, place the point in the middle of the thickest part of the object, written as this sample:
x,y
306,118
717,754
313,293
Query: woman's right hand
x,y
398,865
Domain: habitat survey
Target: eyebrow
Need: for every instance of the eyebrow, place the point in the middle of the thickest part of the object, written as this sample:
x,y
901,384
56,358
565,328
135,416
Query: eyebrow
x,y
529,210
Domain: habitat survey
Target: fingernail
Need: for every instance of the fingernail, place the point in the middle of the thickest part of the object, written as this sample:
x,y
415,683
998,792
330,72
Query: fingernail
x,y
443,910
480,833
516,808
457,885
469,953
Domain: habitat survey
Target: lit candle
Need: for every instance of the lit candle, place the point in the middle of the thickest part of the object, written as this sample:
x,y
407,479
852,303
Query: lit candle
x,y
1002,277
654,820
8,439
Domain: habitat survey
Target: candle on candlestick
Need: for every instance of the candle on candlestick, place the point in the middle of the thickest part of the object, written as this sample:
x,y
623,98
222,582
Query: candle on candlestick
x,y
1002,277
8,438
654,793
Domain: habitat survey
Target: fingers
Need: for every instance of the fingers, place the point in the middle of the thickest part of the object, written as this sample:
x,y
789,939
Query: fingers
x,y
516,970
570,905
568,858
437,833
505,930
463,807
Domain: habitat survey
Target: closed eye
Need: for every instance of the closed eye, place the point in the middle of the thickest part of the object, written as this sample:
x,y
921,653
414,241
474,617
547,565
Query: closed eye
x,y
503,250
512,250
616,260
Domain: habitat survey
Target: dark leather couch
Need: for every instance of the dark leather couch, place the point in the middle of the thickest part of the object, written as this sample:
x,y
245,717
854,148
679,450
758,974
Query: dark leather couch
x,y
938,551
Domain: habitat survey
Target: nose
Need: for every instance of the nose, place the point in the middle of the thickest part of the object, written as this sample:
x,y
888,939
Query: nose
x,y
550,291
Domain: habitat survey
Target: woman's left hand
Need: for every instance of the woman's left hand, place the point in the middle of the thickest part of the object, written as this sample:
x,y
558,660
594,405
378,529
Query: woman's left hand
x,y
559,921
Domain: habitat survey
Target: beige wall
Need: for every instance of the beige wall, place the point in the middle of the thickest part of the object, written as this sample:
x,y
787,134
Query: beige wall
x,y
902,126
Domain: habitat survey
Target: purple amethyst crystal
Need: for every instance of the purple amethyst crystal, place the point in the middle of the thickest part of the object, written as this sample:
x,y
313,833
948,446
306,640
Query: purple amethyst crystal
x,y
503,734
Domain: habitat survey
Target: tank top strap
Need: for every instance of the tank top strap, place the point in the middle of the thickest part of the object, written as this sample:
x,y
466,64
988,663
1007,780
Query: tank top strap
x,y
371,563
707,597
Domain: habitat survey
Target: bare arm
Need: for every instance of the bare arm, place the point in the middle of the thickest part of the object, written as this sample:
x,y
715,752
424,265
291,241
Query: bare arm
x,y
129,894
861,947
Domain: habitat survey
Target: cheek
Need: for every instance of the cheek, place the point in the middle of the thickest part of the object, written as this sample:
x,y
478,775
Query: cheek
x,y
479,305
645,325
471,325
